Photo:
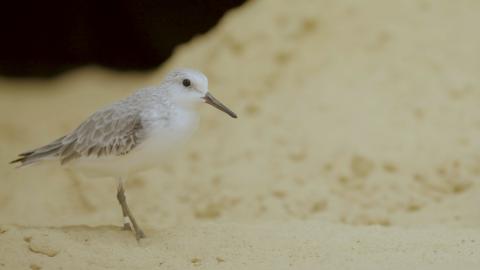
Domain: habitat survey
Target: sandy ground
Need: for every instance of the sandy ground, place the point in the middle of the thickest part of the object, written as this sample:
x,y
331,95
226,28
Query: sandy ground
x,y
356,148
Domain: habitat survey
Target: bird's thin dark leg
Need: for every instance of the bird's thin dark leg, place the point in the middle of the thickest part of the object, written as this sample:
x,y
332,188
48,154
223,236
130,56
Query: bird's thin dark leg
x,y
121,198
126,212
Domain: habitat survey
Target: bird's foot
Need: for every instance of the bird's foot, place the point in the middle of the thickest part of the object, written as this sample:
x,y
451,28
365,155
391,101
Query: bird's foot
x,y
139,234
126,227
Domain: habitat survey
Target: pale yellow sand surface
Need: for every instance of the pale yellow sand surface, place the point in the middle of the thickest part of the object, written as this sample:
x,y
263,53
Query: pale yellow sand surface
x,y
357,147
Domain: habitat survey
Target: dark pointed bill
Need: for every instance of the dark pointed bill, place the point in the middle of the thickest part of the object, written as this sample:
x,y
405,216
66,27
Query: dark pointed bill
x,y
209,99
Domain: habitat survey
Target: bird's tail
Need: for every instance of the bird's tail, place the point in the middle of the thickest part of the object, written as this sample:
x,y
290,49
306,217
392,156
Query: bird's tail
x,y
50,150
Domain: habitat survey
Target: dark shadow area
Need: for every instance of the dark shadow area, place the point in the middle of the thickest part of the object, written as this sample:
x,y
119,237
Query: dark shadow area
x,y
42,39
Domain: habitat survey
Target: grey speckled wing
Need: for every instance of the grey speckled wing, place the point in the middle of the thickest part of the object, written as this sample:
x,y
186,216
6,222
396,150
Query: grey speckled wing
x,y
113,131
109,132
106,133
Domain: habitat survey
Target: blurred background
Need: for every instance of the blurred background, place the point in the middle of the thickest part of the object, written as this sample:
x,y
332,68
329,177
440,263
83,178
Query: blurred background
x,y
359,126
42,39
340,104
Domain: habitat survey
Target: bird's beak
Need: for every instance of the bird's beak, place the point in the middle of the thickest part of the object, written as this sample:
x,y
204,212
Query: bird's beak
x,y
209,99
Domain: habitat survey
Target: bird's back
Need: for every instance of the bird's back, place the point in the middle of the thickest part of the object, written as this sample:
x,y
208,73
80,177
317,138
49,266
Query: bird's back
x,y
112,131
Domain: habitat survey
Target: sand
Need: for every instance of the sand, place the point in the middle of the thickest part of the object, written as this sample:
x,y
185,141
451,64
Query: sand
x,y
356,147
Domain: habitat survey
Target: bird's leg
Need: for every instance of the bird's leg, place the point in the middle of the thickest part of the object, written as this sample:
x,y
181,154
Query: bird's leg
x,y
126,212
122,198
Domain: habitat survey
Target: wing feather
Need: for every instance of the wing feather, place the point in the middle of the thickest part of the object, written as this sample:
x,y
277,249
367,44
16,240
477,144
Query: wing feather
x,y
106,133
115,130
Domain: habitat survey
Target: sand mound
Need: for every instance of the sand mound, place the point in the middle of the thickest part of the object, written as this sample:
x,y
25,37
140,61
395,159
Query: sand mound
x,y
350,115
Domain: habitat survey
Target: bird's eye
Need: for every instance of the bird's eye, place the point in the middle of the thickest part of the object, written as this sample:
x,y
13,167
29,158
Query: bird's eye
x,y
186,82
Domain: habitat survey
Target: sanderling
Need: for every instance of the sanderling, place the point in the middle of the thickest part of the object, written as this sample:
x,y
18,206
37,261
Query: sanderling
x,y
133,134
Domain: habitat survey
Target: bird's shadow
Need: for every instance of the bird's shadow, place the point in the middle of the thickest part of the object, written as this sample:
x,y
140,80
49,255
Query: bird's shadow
x,y
84,233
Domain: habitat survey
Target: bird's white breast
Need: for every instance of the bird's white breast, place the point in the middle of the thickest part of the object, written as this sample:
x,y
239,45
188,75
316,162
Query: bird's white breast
x,y
165,136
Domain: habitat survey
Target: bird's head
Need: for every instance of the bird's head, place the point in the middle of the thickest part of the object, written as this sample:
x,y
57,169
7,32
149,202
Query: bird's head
x,y
189,87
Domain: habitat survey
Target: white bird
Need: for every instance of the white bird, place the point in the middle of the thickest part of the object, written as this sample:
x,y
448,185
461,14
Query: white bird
x,y
133,134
